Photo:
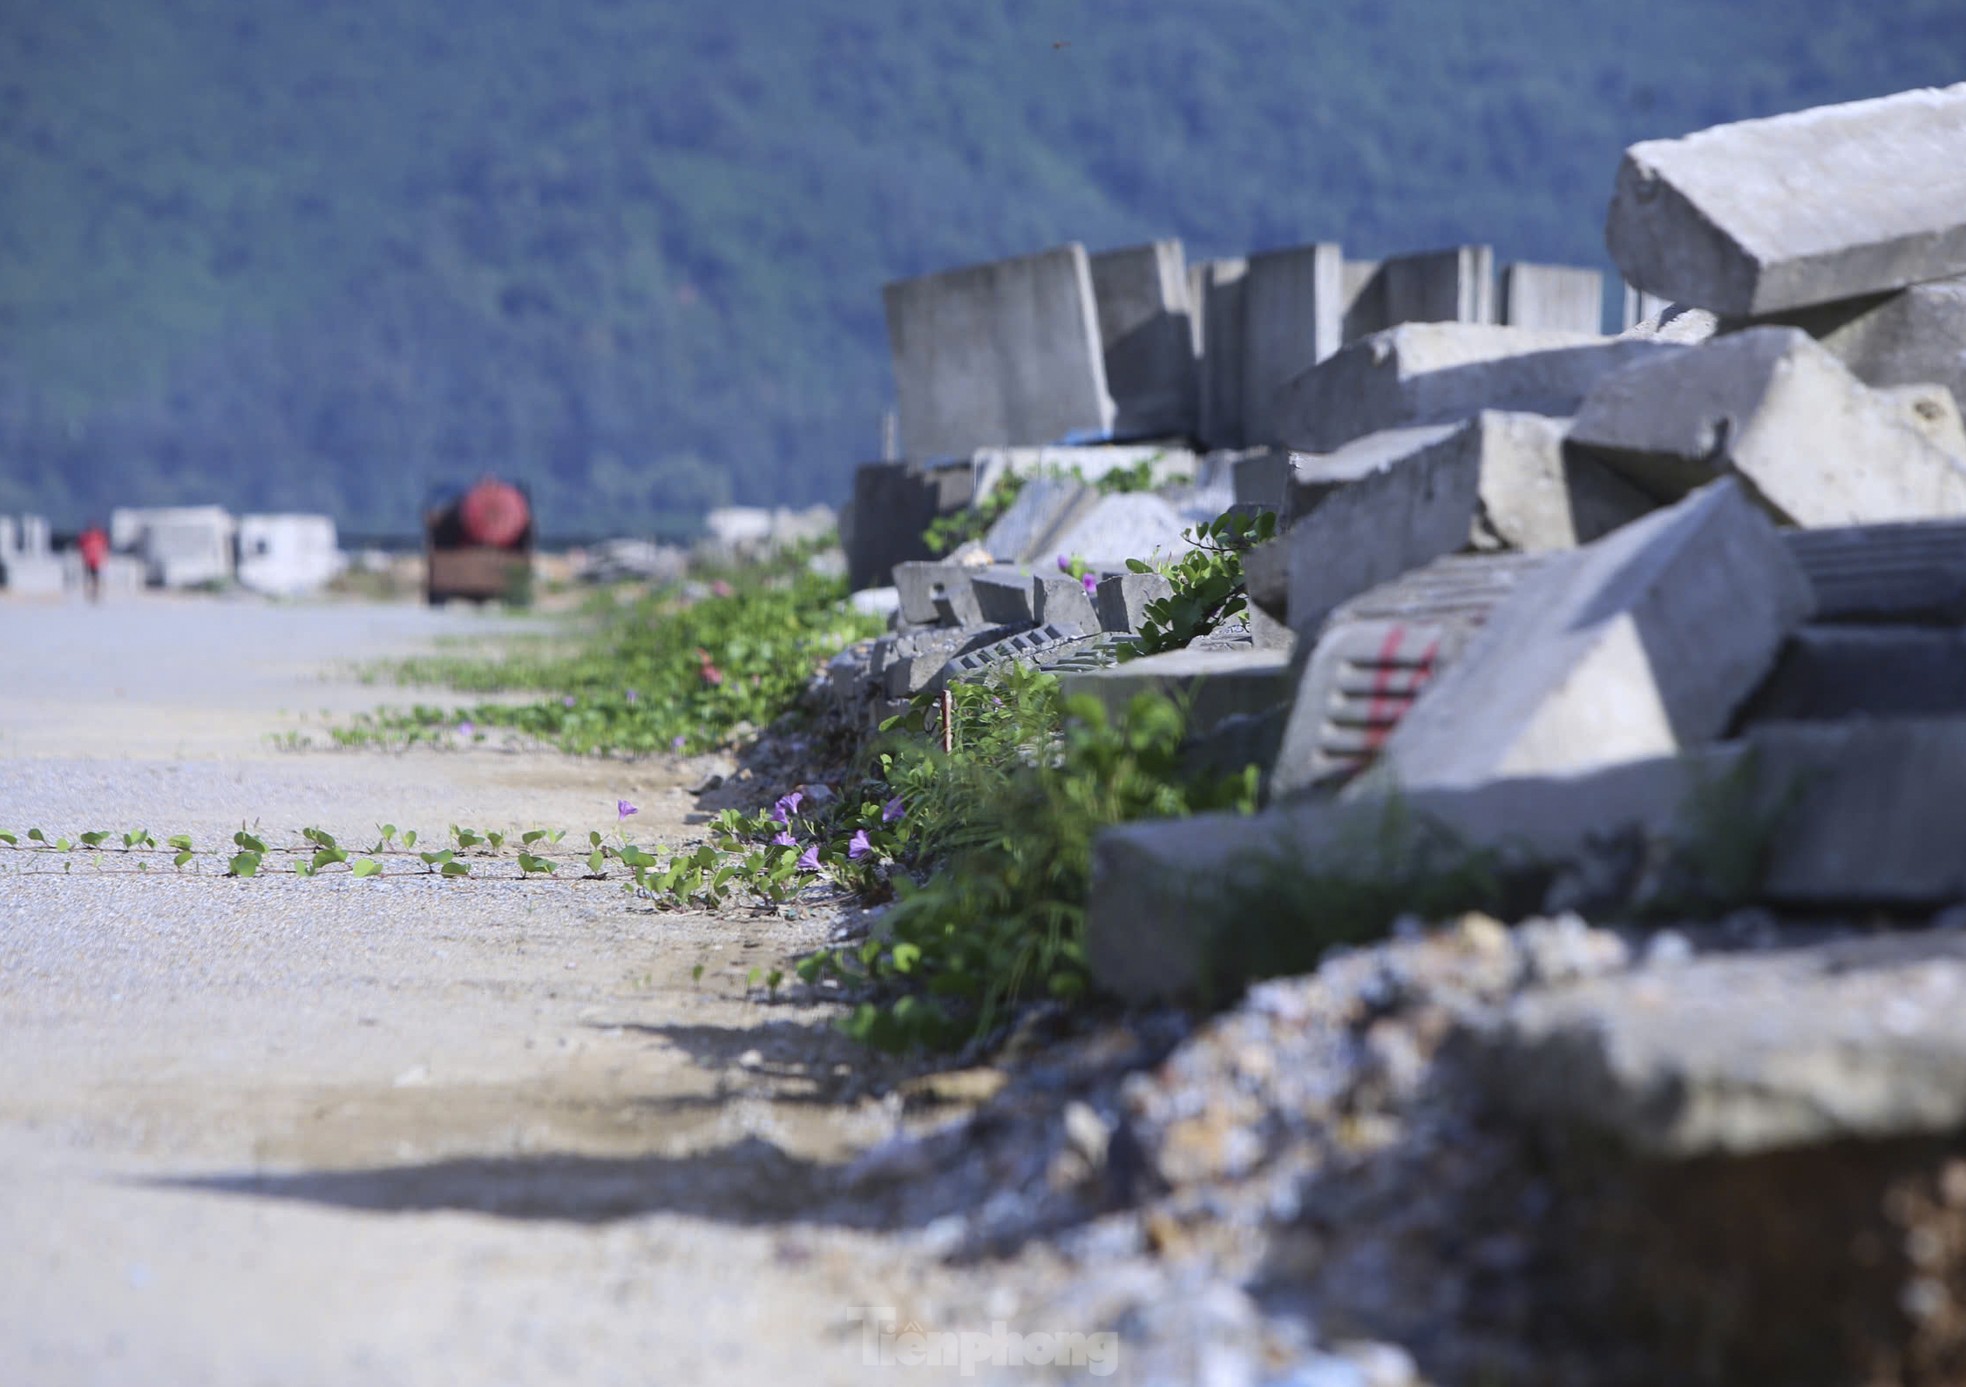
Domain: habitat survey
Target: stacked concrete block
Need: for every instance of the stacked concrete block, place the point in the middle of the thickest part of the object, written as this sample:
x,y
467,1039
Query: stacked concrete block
x,y
1135,525
1429,373
1220,302
1146,332
1060,601
1908,337
1004,353
1003,597
1769,404
1293,317
1764,216
1638,645
1641,307
926,589
1499,481
1829,673
1442,286
1028,530
1552,296
1214,685
1121,599
893,503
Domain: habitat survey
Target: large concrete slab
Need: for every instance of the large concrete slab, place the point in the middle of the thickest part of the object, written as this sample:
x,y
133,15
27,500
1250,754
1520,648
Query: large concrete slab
x,y
1293,307
1552,296
1146,330
1908,337
1220,306
1826,204
1770,404
1828,673
1431,373
1638,645
892,505
1499,481
1863,1039
1456,285
1003,353
1907,573
1136,525
1044,509
1213,684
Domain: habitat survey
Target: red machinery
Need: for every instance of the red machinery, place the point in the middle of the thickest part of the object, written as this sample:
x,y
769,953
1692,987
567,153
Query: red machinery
x,y
478,544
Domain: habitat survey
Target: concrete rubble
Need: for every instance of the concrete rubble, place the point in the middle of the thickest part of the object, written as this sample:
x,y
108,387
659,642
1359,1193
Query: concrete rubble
x,y
1620,679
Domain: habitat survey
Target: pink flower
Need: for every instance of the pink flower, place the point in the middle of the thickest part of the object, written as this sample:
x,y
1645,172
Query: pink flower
x,y
809,859
622,809
720,588
1064,564
1091,583
858,846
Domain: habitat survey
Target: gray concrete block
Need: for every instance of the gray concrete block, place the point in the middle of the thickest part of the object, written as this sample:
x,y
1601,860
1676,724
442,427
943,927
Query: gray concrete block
x,y
1930,410
1552,296
1431,373
1861,1039
1146,331
1214,684
1044,509
1061,601
1499,481
921,586
1908,337
1258,477
1818,446
1003,353
1292,319
27,574
1766,215
1441,286
1311,477
1003,596
1135,525
892,505
1220,310
1121,599
1829,673
1640,307
1638,645
1909,573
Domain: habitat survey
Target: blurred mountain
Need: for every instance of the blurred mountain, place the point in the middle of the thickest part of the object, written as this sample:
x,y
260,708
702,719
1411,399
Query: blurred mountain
x,y
326,253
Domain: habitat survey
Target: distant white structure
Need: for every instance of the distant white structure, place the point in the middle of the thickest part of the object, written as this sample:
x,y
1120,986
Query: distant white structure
x,y
28,567
181,546
754,527
288,555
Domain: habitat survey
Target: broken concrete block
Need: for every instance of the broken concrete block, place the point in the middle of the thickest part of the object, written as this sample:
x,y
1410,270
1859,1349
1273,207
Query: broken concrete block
x,y
1638,645
1915,335
1214,684
892,505
1061,601
1672,322
1219,309
1930,410
1145,329
1311,477
1133,525
1828,673
1864,1038
1004,353
922,585
1258,477
1499,481
1766,215
1819,446
1045,508
1552,296
1292,319
1431,373
1912,572
1442,286
1003,596
1121,599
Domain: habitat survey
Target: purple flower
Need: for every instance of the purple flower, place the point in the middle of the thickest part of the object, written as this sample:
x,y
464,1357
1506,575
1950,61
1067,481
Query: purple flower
x,y
677,742
783,811
1064,564
782,839
567,701
631,695
466,729
893,810
858,847
809,859
622,809
1091,583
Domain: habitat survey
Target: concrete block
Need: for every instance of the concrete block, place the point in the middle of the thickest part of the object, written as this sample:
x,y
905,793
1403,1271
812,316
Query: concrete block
x,y
1930,410
1432,373
1673,322
1220,306
892,505
1552,296
1641,307
1146,331
923,585
1829,673
26,574
1043,509
1311,477
1818,446
1136,525
1259,477
1912,336
1499,481
1292,319
1766,215
1909,573
1121,599
1638,645
1441,286
1061,601
1003,353
1215,684
1003,596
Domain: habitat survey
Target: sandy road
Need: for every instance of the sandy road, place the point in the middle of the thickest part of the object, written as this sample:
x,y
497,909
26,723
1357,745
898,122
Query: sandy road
x,y
394,1131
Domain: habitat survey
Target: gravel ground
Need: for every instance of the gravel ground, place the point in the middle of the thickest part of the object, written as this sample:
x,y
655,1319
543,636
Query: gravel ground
x,y
402,1130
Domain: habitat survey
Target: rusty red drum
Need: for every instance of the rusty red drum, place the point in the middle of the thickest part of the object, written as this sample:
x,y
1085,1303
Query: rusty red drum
x,y
493,513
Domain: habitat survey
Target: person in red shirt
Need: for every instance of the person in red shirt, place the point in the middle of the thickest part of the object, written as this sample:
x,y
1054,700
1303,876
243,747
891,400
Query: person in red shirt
x,y
94,545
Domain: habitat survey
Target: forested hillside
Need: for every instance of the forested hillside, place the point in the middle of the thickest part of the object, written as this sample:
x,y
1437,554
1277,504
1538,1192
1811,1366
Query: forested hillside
x,y
324,253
